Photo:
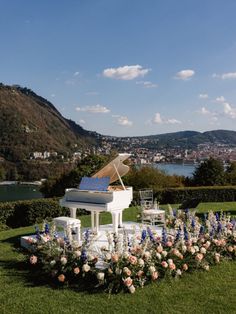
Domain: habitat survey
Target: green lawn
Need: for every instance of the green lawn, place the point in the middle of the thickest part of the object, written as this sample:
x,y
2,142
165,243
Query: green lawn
x,y
200,292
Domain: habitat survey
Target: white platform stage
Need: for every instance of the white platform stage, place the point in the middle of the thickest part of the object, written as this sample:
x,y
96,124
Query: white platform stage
x,y
129,228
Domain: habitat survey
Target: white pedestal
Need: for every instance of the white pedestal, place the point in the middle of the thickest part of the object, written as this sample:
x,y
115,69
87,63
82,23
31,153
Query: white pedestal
x,y
68,222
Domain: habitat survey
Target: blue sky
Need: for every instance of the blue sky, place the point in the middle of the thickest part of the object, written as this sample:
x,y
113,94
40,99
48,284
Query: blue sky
x,y
126,67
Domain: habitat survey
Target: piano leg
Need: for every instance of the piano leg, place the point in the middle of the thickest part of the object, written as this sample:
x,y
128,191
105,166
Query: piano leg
x,y
120,219
73,212
115,222
95,221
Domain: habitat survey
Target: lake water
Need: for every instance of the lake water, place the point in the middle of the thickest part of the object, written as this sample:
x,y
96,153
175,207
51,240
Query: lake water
x,y
14,192
179,169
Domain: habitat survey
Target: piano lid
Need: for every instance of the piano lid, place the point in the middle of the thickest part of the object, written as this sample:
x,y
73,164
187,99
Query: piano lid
x,y
115,169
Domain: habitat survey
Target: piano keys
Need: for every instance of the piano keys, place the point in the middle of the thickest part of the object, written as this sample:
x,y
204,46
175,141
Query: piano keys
x,y
113,199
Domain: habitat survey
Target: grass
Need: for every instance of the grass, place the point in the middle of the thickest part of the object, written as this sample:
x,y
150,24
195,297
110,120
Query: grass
x,y
200,292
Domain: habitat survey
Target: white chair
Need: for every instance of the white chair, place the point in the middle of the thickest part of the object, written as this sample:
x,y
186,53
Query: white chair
x,y
146,202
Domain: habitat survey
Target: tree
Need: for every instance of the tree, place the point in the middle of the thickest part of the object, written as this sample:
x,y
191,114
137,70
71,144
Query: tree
x,y
231,173
55,186
150,177
208,173
2,174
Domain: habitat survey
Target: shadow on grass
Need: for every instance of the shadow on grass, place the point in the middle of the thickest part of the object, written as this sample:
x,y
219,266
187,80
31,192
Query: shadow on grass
x,y
31,276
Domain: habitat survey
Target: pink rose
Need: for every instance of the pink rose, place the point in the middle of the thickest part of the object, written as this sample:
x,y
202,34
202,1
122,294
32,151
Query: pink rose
x,y
172,266
76,270
169,243
140,273
154,275
128,282
33,259
199,257
133,259
61,278
185,267
164,264
127,271
115,258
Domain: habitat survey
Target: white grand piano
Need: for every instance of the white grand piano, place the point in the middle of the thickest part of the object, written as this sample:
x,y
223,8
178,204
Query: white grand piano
x,y
113,199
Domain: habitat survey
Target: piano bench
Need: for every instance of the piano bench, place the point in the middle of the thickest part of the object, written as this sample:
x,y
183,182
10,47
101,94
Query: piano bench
x,y
70,225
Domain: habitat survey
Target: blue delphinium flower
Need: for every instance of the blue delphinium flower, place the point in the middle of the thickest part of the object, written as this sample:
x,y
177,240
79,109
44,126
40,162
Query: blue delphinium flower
x,y
164,235
193,223
37,233
217,216
46,229
149,231
219,227
178,235
185,233
202,230
174,212
86,236
83,256
144,235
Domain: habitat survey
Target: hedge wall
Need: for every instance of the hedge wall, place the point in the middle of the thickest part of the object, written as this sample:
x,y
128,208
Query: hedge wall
x,y
26,213
204,194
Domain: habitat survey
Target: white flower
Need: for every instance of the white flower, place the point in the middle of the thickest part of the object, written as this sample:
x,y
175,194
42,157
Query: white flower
x,y
184,248
77,253
196,248
90,257
152,269
100,276
108,256
86,268
126,254
147,255
141,262
178,272
203,250
206,267
158,255
63,260
118,271
132,289
53,262
170,261
164,253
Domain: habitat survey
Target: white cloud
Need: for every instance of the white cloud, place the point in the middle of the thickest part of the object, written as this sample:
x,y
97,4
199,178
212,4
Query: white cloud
x,y
204,111
76,73
203,96
229,111
225,76
123,120
94,109
158,119
81,121
184,75
220,99
173,121
147,84
127,72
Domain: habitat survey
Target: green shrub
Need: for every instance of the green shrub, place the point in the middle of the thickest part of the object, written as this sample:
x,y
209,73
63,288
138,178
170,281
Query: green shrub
x,y
25,213
204,194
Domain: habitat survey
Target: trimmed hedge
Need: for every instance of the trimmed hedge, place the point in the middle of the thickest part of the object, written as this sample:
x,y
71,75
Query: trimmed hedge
x,y
204,194
26,213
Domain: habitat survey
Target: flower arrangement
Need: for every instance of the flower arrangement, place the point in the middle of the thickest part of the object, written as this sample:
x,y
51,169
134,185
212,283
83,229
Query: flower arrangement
x,y
129,262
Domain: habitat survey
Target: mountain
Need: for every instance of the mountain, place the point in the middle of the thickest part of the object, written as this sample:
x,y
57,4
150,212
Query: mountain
x,y
190,139
30,123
